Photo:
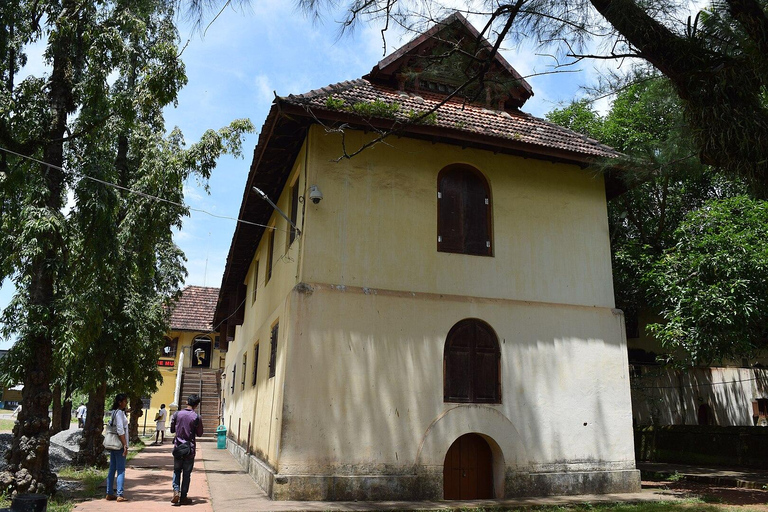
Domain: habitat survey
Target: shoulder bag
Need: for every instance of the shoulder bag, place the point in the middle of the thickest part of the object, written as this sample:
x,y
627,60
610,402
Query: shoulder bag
x,y
111,439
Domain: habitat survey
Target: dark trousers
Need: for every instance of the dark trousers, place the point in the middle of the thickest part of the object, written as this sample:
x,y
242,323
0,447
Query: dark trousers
x,y
182,469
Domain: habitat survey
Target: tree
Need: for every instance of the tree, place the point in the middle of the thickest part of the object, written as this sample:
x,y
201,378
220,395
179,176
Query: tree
x,y
717,61
711,286
81,126
646,123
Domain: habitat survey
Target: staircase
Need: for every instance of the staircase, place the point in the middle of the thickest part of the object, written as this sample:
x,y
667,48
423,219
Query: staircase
x,y
206,383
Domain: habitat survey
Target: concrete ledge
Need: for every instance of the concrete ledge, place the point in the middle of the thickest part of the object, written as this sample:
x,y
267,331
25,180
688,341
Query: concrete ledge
x,y
571,483
427,484
261,473
346,488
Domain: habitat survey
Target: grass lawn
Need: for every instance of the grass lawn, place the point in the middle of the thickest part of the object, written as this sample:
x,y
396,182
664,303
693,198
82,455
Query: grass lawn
x,y
681,506
87,483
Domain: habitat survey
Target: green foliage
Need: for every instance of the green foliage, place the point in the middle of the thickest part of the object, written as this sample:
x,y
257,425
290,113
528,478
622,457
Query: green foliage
x,y
421,117
376,108
675,477
334,103
94,281
712,284
580,117
666,184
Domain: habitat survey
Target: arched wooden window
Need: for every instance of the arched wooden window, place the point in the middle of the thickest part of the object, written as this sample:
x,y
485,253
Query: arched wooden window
x,y
472,364
463,211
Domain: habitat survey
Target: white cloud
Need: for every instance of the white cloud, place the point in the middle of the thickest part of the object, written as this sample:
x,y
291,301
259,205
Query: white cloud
x,y
264,89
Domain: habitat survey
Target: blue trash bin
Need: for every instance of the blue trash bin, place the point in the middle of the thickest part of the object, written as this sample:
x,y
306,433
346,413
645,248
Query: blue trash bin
x,y
221,437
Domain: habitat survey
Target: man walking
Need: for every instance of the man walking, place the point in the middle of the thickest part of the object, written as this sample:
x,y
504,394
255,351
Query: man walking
x,y
160,417
186,424
80,415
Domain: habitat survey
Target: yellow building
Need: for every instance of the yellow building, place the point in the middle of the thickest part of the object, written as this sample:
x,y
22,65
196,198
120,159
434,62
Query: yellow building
x,y
192,347
439,320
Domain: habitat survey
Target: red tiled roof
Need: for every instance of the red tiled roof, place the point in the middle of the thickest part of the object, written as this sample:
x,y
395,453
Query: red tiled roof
x,y
195,308
455,116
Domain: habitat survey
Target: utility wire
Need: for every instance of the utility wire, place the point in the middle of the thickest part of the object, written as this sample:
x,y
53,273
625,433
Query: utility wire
x,y
142,194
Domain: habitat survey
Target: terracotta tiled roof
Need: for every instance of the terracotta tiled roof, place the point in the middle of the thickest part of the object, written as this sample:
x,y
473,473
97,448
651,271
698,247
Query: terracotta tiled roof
x,y
195,308
455,116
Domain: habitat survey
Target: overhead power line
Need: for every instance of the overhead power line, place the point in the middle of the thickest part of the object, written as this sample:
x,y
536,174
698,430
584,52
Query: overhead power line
x,y
139,193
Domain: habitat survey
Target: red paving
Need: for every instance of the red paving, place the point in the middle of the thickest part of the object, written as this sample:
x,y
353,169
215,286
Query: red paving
x,y
148,484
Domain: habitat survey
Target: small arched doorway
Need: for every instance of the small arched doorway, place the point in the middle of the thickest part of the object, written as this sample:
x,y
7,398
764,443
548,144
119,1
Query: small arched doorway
x,y
201,352
468,469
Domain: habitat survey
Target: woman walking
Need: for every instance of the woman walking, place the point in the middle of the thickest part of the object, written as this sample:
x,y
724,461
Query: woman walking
x,y
117,457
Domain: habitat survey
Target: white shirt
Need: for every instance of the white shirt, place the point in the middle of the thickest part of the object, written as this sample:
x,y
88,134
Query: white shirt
x,y
81,411
121,422
163,414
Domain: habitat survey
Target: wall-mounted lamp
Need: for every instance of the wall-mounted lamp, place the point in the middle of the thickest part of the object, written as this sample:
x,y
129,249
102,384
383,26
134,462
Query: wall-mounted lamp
x,y
314,194
278,210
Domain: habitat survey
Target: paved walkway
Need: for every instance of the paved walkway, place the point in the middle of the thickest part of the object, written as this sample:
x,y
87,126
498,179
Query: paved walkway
x,y
148,483
220,485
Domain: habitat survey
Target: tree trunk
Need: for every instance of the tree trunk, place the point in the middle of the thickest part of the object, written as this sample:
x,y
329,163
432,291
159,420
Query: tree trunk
x,y
722,93
92,443
66,408
28,469
56,410
66,414
137,412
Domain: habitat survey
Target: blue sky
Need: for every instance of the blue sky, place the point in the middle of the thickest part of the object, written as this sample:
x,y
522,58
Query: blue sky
x,y
233,70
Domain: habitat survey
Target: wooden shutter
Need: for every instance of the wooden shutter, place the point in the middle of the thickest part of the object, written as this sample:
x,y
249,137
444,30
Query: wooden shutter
x,y
450,214
472,369
273,351
255,364
477,238
270,250
463,212
458,361
487,358
255,282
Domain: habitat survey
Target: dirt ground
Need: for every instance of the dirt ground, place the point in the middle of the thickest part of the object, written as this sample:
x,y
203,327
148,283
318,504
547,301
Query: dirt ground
x,y
732,497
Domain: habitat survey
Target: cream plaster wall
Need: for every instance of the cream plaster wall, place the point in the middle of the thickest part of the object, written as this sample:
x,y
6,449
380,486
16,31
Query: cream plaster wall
x,y
365,385
376,226
260,406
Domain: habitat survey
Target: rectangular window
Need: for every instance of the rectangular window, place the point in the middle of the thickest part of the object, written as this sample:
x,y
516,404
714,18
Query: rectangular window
x,y
255,363
255,281
270,250
234,367
273,351
294,211
245,367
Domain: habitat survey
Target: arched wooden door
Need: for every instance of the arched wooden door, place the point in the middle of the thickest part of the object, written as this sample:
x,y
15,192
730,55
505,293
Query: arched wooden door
x,y
468,473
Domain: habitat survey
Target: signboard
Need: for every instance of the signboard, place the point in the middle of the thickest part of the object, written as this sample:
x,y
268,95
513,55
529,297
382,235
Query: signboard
x,y
145,402
166,363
